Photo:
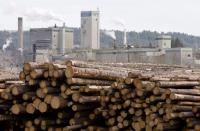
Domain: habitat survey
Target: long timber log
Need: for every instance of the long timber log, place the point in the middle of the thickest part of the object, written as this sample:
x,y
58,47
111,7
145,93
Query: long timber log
x,y
79,81
93,73
178,84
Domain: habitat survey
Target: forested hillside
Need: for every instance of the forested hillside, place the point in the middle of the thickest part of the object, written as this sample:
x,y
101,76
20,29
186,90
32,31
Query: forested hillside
x,y
138,39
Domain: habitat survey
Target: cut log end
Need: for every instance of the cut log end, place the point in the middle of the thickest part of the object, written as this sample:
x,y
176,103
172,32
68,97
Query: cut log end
x,y
30,108
43,107
55,103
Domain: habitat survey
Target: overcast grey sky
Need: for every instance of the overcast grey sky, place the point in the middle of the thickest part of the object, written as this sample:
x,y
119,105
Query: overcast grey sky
x,y
137,15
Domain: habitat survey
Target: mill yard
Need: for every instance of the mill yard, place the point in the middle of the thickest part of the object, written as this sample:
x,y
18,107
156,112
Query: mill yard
x,y
92,96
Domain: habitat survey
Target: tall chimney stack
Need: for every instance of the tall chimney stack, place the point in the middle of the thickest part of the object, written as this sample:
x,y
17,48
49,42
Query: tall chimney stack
x,y
20,34
125,39
62,39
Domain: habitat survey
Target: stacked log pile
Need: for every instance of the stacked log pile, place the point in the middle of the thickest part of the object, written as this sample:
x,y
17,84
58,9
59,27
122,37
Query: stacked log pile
x,y
93,96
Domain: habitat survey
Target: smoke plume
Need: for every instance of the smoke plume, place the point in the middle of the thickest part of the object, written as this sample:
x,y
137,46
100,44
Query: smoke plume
x,y
38,14
120,23
110,33
32,14
7,44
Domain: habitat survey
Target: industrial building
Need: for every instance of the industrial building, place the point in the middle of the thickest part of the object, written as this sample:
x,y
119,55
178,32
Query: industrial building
x,y
90,33
163,41
56,43
171,56
51,41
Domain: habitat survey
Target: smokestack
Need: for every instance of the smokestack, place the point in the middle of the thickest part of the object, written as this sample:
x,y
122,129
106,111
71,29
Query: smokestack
x,y
62,38
20,34
125,40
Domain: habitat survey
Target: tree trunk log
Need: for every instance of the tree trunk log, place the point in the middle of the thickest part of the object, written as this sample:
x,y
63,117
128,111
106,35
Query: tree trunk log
x,y
178,84
93,73
79,81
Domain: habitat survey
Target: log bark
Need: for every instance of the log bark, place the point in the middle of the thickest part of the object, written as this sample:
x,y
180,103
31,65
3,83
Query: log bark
x,y
33,65
71,72
177,84
89,99
185,91
181,97
79,81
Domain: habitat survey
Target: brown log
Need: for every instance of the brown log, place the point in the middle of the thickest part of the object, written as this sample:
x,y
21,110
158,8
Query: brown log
x,y
32,82
79,81
43,107
50,73
94,88
51,90
83,64
41,93
37,73
18,109
22,76
11,78
63,87
55,83
64,115
28,96
75,121
79,107
137,83
46,74
59,66
6,96
69,91
159,91
185,91
7,118
59,74
188,103
88,99
44,84
17,90
30,108
33,65
73,127
82,114
36,103
167,126
47,99
157,78
186,114
181,108
93,73
58,102
27,78
178,84
174,96
29,124
14,82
